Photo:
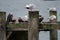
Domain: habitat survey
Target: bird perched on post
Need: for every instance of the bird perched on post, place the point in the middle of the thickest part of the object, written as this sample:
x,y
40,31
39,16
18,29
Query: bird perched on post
x,y
52,18
40,18
30,6
9,17
53,14
52,9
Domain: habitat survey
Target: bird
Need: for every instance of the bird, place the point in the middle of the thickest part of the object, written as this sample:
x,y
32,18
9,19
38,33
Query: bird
x,y
52,18
30,6
40,18
52,9
25,18
9,17
20,20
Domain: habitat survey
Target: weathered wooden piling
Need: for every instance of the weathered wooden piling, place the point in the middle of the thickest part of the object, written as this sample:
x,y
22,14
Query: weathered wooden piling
x,y
33,25
53,32
2,18
2,25
53,35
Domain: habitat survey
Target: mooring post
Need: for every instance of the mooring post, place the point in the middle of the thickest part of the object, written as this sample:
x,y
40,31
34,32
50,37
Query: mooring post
x,y
33,25
53,35
2,25
53,19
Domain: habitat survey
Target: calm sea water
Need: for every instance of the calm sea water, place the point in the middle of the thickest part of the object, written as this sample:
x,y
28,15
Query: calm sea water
x,y
17,7
45,35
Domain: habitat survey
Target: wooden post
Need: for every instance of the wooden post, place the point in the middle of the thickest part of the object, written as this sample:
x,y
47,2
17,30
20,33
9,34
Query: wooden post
x,y
33,25
53,32
2,23
53,35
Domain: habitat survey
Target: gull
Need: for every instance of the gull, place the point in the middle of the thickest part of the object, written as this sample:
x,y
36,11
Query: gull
x,y
30,6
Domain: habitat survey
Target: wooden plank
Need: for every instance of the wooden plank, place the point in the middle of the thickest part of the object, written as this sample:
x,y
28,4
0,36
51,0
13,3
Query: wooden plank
x,y
18,29
44,25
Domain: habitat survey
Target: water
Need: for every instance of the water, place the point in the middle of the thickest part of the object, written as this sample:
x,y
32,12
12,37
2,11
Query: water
x,y
17,7
45,35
